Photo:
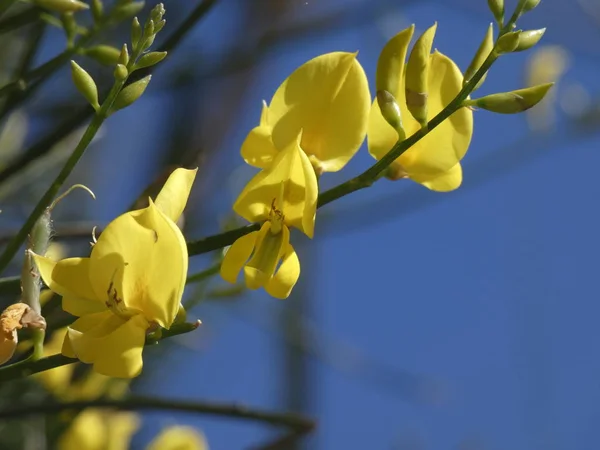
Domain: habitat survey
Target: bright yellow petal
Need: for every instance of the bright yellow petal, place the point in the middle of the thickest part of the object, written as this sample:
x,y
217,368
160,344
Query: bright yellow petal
x,y
113,345
258,149
391,63
174,195
267,254
328,99
289,184
178,438
81,325
70,278
86,432
280,286
121,428
237,256
144,255
445,182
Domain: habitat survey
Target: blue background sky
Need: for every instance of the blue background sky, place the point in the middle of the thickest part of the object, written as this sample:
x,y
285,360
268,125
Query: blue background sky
x,y
465,320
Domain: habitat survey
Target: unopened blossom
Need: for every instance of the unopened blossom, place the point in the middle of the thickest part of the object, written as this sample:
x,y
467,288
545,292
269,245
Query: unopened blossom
x,y
132,282
434,161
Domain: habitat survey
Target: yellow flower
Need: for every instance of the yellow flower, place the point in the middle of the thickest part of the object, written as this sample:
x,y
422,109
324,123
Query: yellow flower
x,y
178,438
434,161
283,195
133,280
327,99
96,429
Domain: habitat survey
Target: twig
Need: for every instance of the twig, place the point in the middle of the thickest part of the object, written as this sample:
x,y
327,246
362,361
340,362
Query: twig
x,y
293,421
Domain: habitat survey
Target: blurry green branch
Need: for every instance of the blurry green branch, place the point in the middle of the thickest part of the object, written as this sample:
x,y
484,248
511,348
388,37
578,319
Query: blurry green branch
x,y
133,403
19,20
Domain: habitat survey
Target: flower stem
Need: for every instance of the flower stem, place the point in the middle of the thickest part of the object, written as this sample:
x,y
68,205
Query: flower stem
x,y
99,118
293,421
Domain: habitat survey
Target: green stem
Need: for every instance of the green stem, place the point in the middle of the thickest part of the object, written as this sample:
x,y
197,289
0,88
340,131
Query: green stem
x,y
33,364
133,403
99,118
5,4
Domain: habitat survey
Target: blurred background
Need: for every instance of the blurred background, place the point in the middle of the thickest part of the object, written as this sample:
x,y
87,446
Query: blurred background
x,y
465,320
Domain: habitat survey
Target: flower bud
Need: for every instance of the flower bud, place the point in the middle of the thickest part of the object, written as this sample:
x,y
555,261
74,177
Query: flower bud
x,y
391,62
391,112
104,54
508,43
529,38
136,33
150,59
512,102
528,5
121,72
482,53
85,85
123,56
125,10
62,6
417,75
12,319
97,10
131,93
497,8
159,26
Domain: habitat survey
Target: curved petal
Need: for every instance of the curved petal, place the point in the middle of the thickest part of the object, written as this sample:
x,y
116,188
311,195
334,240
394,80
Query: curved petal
x,y
280,286
70,278
311,196
328,98
391,63
114,346
258,149
444,182
81,325
237,256
142,256
174,194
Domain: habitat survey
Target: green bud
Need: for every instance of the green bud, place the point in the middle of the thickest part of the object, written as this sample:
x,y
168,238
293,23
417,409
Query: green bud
x,y
149,28
126,10
159,25
131,93
149,59
136,33
70,26
528,5
148,42
97,10
85,85
62,6
484,50
391,112
121,72
512,102
104,54
508,43
417,75
124,56
529,38
497,8
157,12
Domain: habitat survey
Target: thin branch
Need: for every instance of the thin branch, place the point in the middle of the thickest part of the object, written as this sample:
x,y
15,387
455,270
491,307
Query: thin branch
x,y
293,421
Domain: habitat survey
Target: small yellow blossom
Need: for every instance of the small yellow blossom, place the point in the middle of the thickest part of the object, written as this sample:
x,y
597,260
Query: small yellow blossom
x,y
133,280
178,438
97,429
327,99
434,161
282,196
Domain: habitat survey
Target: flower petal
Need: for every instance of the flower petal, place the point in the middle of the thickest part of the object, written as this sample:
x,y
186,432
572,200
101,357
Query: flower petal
x,y
328,99
174,195
113,345
83,324
280,286
237,256
258,149
70,278
144,255
444,182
